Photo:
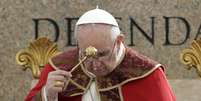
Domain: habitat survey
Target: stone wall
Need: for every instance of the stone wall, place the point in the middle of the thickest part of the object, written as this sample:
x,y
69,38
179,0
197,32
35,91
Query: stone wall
x,y
17,29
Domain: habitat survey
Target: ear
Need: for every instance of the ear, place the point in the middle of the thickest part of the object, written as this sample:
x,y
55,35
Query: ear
x,y
120,39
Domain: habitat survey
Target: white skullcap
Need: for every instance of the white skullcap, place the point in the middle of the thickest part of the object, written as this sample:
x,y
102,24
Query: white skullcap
x,y
97,16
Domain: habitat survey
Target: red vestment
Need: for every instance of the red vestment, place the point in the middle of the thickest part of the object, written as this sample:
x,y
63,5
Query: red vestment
x,y
137,78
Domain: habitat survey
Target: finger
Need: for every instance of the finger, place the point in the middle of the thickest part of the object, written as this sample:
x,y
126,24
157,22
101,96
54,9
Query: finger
x,y
62,72
59,84
57,89
58,78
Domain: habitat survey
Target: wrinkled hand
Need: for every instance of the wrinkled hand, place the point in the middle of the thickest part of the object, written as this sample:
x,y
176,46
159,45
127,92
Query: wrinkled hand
x,y
52,88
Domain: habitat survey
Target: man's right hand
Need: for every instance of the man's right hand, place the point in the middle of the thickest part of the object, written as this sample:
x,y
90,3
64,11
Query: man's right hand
x,y
52,88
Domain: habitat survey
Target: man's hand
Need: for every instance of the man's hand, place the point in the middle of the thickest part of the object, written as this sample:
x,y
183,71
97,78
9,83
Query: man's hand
x,y
55,83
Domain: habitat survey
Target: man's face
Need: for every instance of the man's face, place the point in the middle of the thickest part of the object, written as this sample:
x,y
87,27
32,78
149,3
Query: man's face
x,y
98,36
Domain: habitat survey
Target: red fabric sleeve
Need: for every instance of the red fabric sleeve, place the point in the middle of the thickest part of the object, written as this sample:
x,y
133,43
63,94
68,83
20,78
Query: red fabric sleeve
x,y
154,87
43,78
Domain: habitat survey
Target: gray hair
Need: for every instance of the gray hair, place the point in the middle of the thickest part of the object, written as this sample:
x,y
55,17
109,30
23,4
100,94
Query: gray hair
x,y
115,32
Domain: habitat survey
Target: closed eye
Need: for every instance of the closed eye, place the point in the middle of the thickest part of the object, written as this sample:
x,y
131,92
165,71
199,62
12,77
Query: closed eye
x,y
103,53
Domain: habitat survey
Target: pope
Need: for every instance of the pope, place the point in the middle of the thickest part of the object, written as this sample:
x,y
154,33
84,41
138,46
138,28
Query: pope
x,y
114,72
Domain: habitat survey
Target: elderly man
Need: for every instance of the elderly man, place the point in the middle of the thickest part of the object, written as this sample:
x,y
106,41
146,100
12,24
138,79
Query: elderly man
x,y
115,73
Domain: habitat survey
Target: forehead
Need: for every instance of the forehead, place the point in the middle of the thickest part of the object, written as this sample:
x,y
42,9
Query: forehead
x,y
103,29
97,35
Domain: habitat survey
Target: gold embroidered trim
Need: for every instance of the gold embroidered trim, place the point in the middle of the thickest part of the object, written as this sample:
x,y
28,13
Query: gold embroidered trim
x,y
131,79
120,93
76,94
82,67
76,84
